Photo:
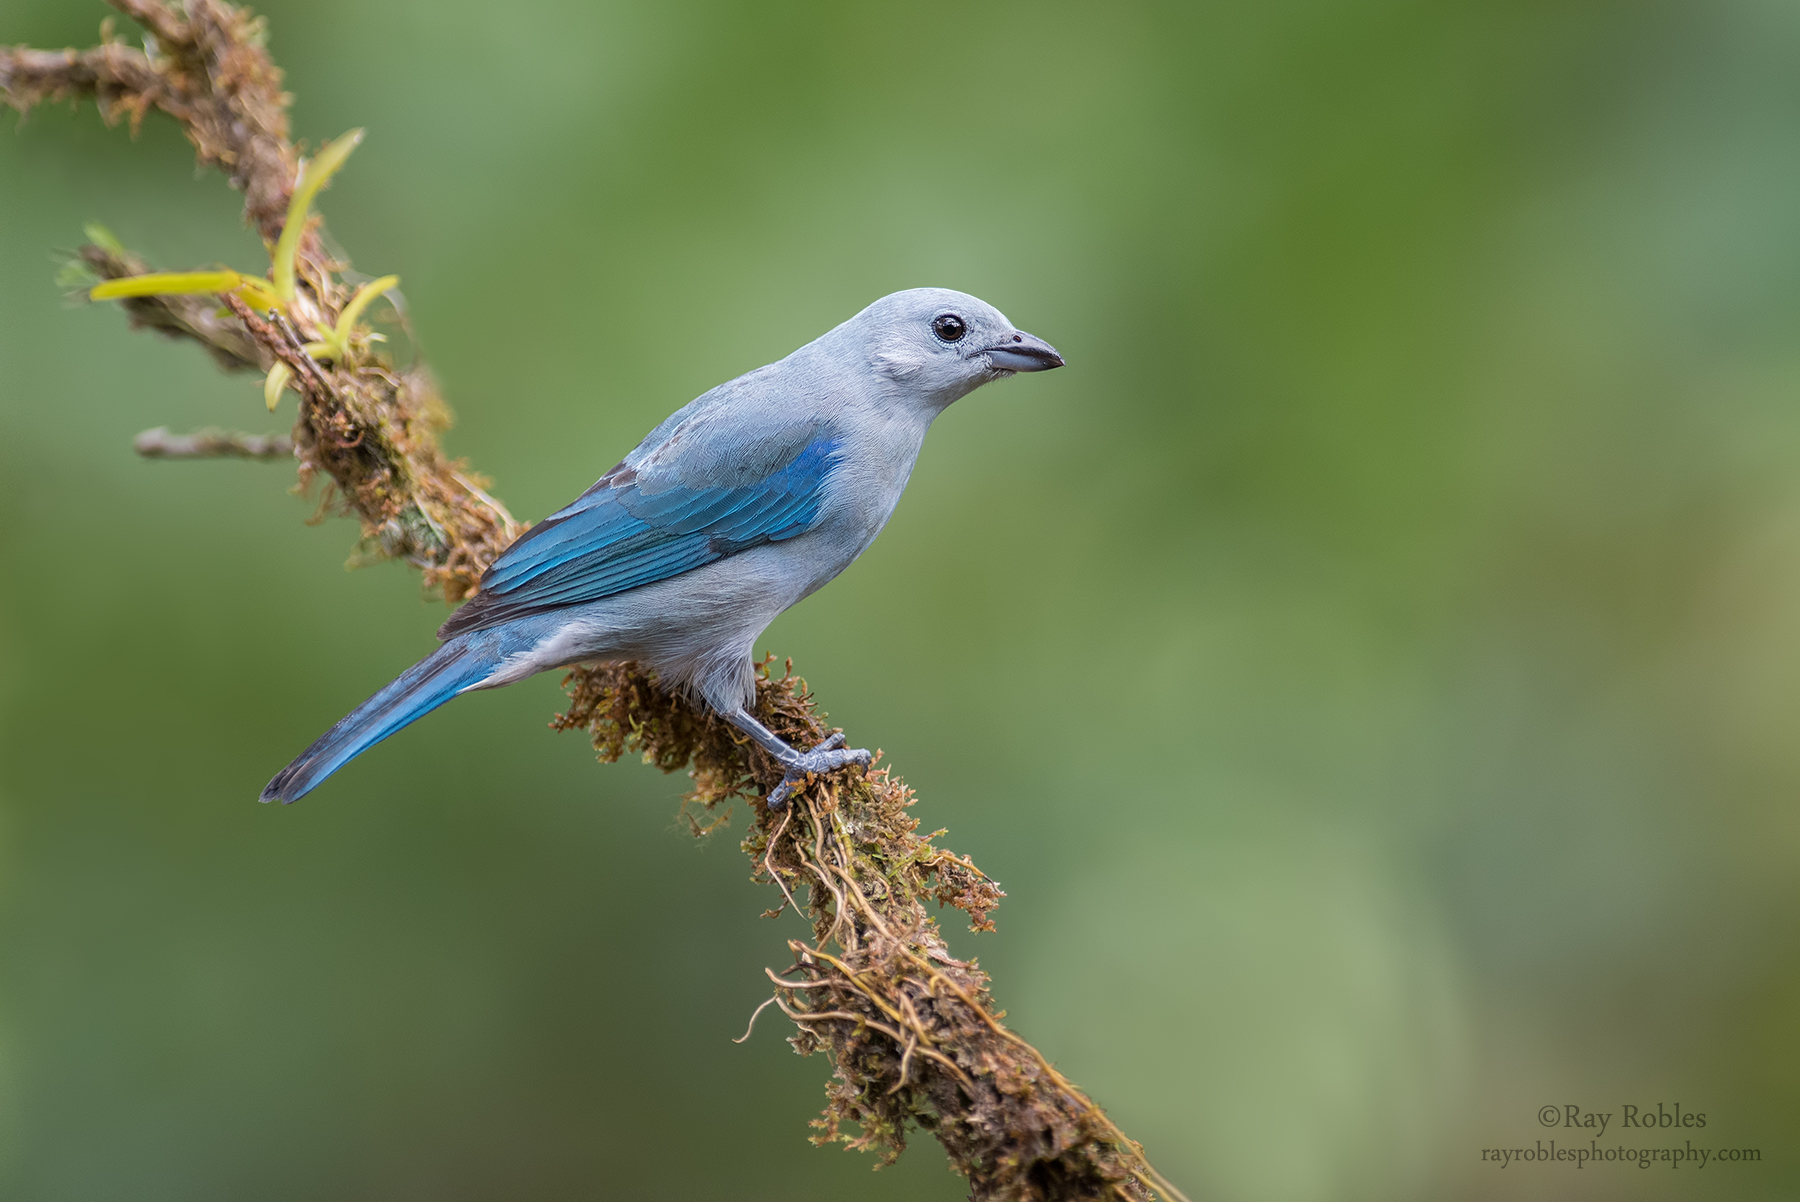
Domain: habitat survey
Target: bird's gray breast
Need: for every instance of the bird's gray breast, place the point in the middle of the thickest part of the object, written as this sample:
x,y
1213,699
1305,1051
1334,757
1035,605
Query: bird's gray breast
x,y
874,463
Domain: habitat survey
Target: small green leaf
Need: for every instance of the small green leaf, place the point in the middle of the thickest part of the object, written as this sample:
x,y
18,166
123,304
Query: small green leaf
x,y
102,237
75,275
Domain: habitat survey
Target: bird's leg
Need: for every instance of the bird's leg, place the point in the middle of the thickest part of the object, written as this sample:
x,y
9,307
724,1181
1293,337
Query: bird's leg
x,y
826,757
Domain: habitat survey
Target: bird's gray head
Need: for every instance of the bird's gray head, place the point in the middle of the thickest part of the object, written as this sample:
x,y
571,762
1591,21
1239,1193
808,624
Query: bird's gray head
x,y
940,345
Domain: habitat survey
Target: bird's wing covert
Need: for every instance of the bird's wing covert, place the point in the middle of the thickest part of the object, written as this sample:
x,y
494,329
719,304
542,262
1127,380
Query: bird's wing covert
x,y
655,516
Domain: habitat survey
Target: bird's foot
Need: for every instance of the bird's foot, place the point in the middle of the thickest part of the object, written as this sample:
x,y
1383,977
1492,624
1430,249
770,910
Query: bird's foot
x,y
826,757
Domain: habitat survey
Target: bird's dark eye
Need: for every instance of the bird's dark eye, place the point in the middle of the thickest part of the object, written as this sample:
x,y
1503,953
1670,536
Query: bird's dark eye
x,y
950,327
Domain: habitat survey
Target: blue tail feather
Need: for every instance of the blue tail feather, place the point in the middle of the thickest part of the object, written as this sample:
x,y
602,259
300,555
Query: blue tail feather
x,y
408,697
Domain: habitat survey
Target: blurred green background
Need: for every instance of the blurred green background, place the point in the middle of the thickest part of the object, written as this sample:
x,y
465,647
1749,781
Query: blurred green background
x,y
1372,668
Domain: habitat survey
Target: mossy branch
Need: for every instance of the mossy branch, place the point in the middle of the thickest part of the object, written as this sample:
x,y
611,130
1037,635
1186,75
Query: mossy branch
x,y
912,1032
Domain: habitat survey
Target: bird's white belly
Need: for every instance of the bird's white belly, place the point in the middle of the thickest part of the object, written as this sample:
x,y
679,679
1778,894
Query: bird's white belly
x,y
695,630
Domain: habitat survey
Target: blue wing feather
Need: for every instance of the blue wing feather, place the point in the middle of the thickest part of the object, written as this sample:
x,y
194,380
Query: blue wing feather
x,y
630,530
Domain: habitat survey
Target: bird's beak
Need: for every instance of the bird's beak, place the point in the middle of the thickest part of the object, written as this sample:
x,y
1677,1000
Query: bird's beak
x,y
1023,352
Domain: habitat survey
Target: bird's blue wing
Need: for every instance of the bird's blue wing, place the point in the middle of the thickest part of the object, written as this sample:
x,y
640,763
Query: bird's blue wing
x,y
636,527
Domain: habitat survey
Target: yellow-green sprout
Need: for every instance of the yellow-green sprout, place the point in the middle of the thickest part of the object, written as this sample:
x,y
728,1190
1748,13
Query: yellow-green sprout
x,y
274,382
256,291
311,180
336,345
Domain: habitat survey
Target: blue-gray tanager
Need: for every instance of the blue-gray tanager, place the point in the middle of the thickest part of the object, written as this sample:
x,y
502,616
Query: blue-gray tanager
x,y
744,501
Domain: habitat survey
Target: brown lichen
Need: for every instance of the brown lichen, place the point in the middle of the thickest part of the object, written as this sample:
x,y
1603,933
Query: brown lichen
x,y
912,1031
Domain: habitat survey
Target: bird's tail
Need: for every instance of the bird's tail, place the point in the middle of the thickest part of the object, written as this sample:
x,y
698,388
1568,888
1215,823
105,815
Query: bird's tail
x,y
407,698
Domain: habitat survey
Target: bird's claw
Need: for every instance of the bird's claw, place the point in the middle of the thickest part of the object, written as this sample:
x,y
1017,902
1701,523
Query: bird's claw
x,y
826,757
